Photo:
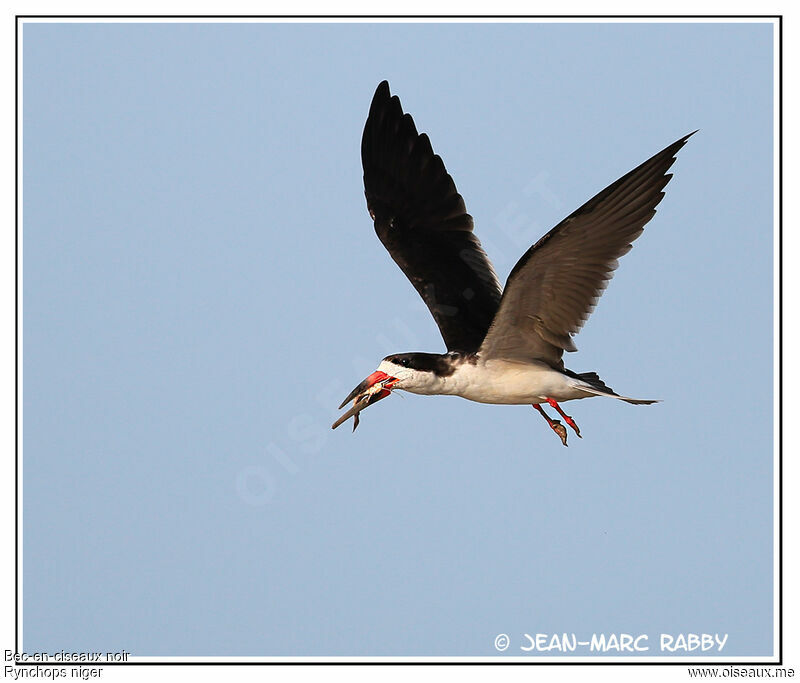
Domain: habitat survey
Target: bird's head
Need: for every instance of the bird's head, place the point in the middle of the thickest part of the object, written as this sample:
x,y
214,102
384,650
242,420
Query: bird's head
x,y
409,371
394,372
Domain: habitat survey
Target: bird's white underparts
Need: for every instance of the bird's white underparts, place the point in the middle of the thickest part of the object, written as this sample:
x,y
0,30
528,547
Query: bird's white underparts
x,y
504,345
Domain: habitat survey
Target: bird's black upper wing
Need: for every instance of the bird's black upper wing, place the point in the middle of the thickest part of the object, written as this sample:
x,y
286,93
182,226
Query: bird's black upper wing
x,y
421,219
555,285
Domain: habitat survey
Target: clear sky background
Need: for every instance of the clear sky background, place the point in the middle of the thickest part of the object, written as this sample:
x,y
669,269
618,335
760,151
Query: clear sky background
x,y
203,286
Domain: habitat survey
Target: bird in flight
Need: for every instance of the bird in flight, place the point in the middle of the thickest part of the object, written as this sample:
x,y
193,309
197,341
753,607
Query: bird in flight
x,y
504,346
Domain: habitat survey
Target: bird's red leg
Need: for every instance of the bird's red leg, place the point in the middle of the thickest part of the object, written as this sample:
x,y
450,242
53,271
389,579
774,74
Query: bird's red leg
x,y
566,417
555,425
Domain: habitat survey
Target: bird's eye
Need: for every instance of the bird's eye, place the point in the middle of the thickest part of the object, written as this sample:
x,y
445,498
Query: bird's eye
x,y
404,362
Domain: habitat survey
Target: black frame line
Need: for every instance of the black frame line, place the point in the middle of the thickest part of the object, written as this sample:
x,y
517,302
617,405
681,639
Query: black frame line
x,y
399,16
632,661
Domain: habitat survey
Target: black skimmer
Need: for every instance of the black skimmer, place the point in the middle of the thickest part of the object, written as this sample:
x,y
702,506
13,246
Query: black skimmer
x,y
504,346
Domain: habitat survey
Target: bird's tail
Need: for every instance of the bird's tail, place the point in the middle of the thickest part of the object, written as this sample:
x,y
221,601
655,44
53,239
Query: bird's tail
x,y
591,383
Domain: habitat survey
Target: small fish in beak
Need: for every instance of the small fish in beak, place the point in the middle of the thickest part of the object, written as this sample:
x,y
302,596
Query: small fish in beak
x,y
375,387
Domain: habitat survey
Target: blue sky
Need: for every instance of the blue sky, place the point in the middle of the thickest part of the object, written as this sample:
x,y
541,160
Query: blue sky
x,y
203,286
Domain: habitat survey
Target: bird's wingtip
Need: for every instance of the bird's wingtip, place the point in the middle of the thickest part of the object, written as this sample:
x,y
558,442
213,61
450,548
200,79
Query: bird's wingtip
x,y
685,138
679,143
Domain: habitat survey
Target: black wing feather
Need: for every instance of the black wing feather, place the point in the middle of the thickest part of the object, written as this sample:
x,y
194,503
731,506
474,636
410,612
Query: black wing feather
x,y
422,221
555,285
